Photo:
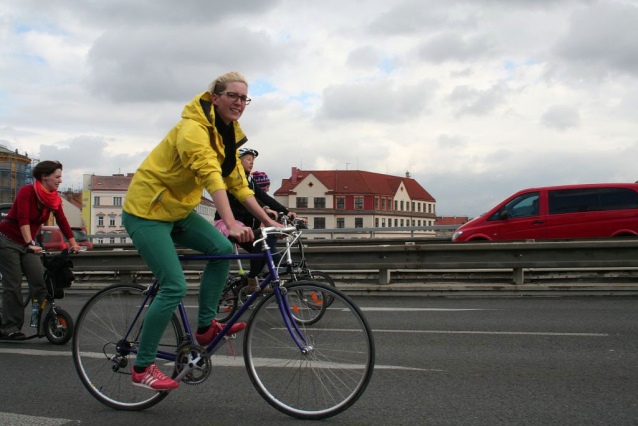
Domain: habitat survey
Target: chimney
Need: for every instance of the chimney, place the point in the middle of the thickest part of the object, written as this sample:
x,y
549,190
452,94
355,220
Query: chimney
x,y
407,175
293,179
130,174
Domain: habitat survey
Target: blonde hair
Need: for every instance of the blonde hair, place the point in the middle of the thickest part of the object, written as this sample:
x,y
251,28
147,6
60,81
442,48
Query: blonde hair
x,y
219,84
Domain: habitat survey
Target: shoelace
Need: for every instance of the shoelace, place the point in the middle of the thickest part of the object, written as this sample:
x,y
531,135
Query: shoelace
x,y
156,373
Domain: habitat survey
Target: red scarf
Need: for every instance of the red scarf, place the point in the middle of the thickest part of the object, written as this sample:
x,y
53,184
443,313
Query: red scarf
x,y
50,199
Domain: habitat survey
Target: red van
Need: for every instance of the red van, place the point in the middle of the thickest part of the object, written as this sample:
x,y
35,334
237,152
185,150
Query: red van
x,y
557,212
54,240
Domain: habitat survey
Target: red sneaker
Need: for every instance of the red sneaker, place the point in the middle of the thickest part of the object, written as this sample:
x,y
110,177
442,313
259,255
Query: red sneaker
x,y
152,378
204,339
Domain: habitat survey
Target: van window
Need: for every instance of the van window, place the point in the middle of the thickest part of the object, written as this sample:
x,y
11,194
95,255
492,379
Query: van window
x,y
591,199
525,205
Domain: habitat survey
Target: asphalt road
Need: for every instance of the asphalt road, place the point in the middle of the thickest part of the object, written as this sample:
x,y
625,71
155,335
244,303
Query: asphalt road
x,y
440,361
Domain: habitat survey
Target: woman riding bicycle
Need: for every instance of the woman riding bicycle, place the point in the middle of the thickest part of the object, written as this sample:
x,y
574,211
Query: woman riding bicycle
x,y
199,153
18,250
243,215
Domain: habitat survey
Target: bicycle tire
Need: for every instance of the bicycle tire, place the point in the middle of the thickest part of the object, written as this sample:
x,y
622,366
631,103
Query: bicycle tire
x,y
330,377
104,370
58,330
227,304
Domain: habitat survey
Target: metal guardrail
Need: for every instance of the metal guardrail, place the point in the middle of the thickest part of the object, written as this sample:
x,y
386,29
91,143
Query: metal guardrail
x,y
371,232
516,256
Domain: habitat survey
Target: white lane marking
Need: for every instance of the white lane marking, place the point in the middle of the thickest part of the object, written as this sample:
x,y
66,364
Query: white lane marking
x,y
217,360
24,420
380,309
506,333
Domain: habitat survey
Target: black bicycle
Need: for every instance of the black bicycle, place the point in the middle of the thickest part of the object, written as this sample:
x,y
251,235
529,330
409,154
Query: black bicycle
x,y
57,324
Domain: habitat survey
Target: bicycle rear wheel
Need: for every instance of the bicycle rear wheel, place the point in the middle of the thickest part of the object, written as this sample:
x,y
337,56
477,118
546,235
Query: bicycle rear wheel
x,y
103,359
332,374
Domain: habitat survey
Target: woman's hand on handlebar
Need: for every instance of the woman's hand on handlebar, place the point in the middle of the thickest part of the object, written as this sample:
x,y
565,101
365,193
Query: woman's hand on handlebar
x,y
243,234
75,249
34,249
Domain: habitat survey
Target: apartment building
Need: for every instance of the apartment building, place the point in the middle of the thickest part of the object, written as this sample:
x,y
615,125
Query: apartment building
x,y
102,200
337,199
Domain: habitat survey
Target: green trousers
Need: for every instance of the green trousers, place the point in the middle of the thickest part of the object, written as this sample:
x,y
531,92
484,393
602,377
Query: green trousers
x,y
154,241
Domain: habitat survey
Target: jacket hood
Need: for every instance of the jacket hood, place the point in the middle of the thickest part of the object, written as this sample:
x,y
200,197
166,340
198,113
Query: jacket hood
x,y
193,110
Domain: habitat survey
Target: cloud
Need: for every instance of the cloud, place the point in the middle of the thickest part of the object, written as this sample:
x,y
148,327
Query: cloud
x,y
377,101
561,117
466,100
451,46
450,141
601,41
365,57
89,155
138,65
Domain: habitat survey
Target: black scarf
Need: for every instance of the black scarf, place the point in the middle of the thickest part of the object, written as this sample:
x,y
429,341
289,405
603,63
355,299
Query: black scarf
x,y
228,136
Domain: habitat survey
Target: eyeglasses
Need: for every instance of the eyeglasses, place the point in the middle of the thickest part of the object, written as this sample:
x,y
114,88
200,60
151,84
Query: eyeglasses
x,y
234,96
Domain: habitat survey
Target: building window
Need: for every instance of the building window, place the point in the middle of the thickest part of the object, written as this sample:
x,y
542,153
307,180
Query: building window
x,y
376,222
396,223
429,208
123,240
383,204
419,223
112,221
96,201
100,221
376,203
341,222
401,222
341,203
320,223
320,203
418,206
401,205
358,203
413,207
396,205
413,222
112,240
100,241
383,222
117,201
302,202
358,222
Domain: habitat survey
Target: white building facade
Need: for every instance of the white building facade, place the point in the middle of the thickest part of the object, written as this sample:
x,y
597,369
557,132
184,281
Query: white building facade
x,y
102,200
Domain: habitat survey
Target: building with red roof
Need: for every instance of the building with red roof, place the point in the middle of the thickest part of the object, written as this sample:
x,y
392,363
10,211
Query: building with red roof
x,y
333,199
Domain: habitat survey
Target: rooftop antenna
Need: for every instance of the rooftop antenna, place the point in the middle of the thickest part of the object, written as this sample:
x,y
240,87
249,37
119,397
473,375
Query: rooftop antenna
x,y
347,164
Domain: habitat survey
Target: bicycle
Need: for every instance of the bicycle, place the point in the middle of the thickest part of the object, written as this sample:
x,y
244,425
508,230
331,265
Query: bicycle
x,y
303,371
57,324
234,293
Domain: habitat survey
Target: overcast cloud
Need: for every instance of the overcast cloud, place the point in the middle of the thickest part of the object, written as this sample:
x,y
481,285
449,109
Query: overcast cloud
x,y
476,99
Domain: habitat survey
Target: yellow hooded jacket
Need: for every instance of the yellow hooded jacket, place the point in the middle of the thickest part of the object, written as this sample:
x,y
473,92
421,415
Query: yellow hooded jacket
x,y
170,182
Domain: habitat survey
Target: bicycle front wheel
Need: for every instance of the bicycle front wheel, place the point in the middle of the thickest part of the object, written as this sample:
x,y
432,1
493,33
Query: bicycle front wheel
x,y
104,359
329,374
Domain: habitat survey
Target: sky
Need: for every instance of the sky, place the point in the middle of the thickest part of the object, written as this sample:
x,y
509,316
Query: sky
x,y
475,99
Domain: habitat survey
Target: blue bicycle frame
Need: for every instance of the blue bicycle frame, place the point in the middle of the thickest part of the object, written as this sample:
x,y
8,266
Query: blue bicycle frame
x,y
273,277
